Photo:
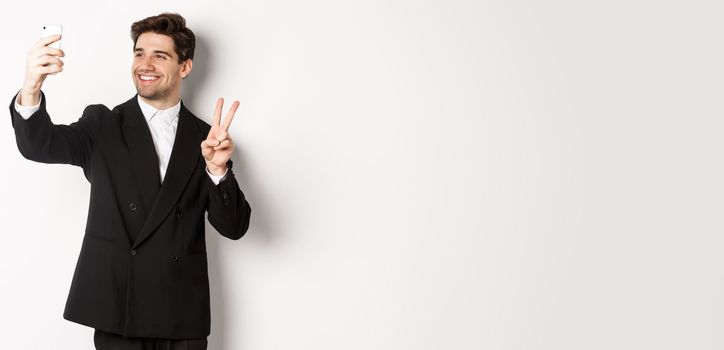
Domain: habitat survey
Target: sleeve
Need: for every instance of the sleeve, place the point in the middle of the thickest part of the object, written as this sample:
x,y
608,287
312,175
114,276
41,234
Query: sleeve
x,y
40,140
216,178
228,210
26,111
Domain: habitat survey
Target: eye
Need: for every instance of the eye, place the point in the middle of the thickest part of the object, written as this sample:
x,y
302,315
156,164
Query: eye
x,y
161,57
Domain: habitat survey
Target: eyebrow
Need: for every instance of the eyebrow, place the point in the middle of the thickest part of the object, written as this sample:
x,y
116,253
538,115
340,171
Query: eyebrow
x,y
154,51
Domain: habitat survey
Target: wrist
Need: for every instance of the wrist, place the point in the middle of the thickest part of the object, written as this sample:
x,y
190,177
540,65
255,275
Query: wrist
x,y
216,170
29,97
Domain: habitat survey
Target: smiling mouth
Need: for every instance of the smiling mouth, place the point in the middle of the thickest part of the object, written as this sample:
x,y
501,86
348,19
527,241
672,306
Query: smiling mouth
x,y
147,79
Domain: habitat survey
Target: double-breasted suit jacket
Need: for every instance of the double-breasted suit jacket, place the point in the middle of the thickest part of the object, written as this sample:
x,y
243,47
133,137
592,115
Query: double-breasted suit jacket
x,y
142,268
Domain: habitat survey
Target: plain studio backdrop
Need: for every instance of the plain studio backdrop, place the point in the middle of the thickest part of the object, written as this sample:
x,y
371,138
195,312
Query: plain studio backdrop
x,y
423,174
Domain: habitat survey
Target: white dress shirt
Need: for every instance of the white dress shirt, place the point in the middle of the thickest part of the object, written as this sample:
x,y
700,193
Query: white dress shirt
x,y
162,123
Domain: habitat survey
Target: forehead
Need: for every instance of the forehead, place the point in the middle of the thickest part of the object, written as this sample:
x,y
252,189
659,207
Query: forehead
x,y
153,41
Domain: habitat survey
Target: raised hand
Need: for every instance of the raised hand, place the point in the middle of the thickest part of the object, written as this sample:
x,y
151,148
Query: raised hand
x,y
218,146
41,61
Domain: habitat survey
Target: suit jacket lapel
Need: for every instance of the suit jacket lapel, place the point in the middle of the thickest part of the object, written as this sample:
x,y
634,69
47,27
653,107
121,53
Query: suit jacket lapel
x,y
143,153
184,159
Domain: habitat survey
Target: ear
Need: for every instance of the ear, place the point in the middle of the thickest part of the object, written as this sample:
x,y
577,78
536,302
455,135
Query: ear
x,y
186,68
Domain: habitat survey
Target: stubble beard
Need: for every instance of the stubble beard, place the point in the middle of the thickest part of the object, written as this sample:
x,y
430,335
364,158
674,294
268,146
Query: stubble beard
x,y
152,93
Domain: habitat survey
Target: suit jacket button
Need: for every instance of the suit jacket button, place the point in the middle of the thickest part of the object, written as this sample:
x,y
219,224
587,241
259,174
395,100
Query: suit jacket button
x,y
174,258
133,252
178,214
132,206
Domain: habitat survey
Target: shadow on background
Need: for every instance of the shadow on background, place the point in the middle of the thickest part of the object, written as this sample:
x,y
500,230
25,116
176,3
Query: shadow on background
x,y
195,82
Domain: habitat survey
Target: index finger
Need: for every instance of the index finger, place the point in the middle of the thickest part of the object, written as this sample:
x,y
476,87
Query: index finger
x,y
217,112
230,115
45,41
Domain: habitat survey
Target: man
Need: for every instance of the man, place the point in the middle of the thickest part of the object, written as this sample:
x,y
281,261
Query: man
x,y
154,169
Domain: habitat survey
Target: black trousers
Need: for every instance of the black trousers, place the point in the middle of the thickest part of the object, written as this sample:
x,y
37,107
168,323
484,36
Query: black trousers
x,y
111,341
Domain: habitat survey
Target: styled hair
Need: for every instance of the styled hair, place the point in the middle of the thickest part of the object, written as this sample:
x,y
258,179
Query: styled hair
x,y
170,24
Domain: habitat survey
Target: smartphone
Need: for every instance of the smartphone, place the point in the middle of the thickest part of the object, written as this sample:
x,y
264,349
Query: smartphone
x,y
53,29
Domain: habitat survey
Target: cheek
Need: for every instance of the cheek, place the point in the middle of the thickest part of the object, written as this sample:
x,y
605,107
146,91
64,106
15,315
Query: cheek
x,y
176,74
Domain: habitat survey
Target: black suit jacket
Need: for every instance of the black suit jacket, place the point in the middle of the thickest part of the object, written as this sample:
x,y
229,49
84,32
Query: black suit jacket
x,y
142,268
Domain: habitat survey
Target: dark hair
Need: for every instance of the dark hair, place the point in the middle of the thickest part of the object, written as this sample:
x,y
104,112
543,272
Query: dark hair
x,y
171,24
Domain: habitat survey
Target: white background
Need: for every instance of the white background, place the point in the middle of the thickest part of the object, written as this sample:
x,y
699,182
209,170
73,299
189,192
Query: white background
x,y
423,174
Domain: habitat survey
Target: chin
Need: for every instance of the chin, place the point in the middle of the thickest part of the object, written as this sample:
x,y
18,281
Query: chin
x,y
147,93
144,94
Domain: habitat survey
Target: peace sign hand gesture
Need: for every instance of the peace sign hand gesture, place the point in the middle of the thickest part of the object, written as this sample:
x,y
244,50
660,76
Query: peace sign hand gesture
x,y
218,146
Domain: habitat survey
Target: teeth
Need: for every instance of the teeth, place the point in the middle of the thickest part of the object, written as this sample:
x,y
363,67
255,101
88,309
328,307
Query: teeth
x,y
148,77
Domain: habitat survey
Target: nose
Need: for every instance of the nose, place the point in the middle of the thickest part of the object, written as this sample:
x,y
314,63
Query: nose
x,y
145,64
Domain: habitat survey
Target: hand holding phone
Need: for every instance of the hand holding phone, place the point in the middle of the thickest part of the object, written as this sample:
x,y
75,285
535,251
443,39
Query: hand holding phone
x,y
43,59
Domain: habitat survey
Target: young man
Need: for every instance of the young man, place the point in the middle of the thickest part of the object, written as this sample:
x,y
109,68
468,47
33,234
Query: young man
x,y
154,169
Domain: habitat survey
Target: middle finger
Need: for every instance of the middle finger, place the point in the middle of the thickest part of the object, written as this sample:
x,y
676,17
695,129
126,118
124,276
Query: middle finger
x,y
230,115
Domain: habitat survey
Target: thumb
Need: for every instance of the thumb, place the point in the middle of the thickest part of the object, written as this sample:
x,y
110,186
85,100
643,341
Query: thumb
x,y
207,149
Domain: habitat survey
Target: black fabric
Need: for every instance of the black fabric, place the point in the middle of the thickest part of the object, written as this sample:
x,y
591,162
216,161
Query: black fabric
x,y
142,268
111,341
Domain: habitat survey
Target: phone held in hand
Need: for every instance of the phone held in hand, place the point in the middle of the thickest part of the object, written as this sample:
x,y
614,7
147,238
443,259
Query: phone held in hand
x,y
52,29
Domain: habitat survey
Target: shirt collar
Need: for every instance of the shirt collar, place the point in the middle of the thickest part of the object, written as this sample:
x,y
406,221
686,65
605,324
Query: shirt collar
x,y
149,112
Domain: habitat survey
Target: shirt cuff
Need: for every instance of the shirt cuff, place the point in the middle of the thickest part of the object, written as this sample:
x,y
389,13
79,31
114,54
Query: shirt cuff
x,y
217,178
26,111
